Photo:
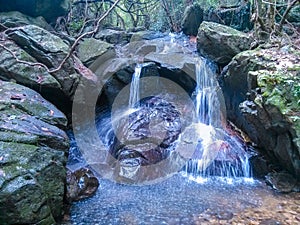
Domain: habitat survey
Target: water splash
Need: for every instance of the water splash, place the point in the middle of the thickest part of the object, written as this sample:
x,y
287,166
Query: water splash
x,y
135,87
219,152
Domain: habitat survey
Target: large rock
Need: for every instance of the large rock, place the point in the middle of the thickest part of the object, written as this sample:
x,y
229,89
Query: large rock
x,y
50,10
17,19
261,90
168,60
34,45
33,154
221,43
90,49
192,18
113,36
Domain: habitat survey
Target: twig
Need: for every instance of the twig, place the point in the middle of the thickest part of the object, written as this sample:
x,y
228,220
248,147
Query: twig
x,y
83,35
23,61
288,9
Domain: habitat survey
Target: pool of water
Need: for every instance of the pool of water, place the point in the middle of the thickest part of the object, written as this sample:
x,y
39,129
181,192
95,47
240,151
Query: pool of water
x,y
181,200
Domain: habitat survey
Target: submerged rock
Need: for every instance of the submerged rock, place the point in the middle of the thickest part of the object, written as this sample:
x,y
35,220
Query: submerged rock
x,y
81,184
261,90
33,154
221,43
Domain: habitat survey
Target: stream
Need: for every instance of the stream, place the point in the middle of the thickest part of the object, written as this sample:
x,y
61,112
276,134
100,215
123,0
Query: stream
x,y
215,185
180,200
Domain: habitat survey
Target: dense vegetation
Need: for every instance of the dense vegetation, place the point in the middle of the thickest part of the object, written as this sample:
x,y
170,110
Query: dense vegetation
x,y
268,16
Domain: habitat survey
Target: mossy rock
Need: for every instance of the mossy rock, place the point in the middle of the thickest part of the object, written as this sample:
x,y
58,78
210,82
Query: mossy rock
x,y
33,154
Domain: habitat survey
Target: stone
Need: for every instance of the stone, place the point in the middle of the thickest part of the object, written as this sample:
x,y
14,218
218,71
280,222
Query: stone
x,y
282,182
33,155
145,140
33,44
17,19
50,10
261,90
145,35
236,14
113,36
90,49
192,18
81,184
294,15
221,43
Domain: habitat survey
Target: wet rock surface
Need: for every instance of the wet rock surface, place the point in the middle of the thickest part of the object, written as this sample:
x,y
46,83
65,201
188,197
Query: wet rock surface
x,y
261,90
33,155
81,184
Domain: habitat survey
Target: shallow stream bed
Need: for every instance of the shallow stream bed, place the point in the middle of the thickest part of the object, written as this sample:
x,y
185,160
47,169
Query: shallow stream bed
x,y
179,200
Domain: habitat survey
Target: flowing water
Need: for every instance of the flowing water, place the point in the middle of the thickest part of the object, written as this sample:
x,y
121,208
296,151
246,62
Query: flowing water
x,y
179,201
214,188
220,152
135,87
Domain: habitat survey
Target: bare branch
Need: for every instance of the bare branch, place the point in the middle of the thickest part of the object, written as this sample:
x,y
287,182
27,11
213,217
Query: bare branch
x,y
290,6
84,35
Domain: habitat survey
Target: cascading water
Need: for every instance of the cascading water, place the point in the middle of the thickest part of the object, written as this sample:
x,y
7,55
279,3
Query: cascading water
x,y
135,87
218,153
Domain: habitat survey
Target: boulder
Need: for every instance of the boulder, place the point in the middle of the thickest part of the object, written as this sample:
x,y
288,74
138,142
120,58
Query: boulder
x,y
33,154
113,36
37,46
50,10
90,49
261,90
221,43
81,184
17,19
145,35
192,18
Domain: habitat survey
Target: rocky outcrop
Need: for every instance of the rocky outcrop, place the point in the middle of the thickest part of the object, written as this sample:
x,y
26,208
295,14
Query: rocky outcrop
x,y
221,43
261,89
17,19
25,50
192,18
50,10
169,60
33,154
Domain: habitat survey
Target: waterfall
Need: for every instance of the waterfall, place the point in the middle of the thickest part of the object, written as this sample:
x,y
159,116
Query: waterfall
x,y
135,87
219,152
